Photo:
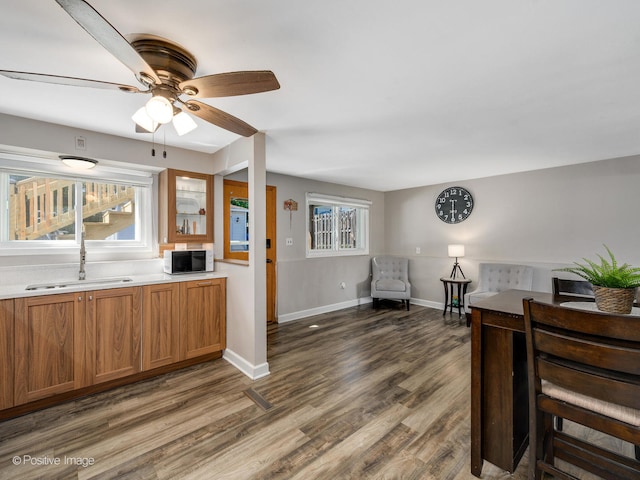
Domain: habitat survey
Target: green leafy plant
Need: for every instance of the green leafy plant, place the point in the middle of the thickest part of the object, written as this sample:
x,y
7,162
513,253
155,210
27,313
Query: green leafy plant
x,y
608,273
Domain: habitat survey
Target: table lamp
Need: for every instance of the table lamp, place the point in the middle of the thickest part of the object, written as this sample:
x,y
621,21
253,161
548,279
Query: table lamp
x,y
456,251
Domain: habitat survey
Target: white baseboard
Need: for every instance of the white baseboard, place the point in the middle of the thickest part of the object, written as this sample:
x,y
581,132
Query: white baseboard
x,y
290,317
254,372
427,303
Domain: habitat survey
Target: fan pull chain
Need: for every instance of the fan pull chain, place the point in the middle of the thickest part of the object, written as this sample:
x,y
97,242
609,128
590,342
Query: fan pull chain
x,y
153,143
164,143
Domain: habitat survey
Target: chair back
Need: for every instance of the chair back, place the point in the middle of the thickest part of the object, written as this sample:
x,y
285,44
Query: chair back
x,y
497,277
390,268
572,288
583,366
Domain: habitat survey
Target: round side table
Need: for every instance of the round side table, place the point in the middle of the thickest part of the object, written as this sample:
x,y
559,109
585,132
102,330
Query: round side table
x,y
452,298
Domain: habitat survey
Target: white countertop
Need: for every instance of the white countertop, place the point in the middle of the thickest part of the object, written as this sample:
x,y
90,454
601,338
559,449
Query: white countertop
x,y
19,290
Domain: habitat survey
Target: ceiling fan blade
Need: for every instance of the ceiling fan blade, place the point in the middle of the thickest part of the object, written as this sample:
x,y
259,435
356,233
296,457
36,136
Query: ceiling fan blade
x,y
220,118
230,84
72,81
100,29
140,129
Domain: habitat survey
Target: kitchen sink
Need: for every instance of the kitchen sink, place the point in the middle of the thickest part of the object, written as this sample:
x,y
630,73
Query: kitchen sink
x,y
76,283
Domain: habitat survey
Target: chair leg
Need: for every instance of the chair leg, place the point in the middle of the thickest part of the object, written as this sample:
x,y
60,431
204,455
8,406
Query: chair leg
x,y
407,305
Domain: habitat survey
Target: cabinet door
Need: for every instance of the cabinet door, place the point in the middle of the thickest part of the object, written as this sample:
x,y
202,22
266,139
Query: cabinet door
x,y
202,317
114,320
49,345
160,325
190,207
6,353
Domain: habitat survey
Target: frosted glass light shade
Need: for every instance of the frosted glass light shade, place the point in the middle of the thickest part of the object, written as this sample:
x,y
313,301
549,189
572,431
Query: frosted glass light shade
x,y
159,109
456,251
183,123
81,163
144,120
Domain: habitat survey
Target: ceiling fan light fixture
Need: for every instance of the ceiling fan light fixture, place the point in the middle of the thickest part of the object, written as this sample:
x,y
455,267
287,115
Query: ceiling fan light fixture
x,y
142,118
81,163
183,123
159,109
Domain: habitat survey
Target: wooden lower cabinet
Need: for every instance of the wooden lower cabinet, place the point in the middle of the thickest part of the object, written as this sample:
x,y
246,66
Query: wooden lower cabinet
x,y
49,346
6,353
114,320
202,317
160,325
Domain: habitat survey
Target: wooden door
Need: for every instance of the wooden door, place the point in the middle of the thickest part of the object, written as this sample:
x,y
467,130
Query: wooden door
x,y
49,345
6,353
160,325
114,319
203,310
235,195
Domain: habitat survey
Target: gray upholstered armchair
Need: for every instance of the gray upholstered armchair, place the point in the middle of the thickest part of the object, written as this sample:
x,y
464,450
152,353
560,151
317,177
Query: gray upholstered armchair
x,y
390,279
496,277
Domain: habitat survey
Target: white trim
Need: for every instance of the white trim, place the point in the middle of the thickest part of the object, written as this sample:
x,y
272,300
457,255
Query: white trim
x,y
337,200
254,372
290,317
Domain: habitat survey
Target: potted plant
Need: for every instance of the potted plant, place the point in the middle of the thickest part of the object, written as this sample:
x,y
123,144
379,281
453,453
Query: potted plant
x,y
614,286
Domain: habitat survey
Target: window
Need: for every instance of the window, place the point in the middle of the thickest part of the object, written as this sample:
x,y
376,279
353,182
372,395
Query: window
x,y
47,207
337,225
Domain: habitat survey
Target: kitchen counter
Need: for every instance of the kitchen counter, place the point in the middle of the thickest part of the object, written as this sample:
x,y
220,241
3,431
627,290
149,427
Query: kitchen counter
x,y
93,282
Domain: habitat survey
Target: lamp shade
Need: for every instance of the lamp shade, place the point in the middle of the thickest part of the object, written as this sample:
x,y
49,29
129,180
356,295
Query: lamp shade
x,y
144,120
159,109
82,163
183,123
456,251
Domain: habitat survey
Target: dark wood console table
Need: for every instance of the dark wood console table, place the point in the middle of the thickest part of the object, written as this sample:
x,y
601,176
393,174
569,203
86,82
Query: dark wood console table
x,y
499,390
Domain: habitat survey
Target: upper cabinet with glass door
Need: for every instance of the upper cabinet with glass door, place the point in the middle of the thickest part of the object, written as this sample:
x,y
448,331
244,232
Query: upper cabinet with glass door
x,y
190,207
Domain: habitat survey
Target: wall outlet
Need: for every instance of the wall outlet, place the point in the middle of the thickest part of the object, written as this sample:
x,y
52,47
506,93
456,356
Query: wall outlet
x,y
343,285
289,241
417,250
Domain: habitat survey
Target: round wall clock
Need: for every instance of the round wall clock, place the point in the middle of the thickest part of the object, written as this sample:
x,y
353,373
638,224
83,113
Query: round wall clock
x,y
454,205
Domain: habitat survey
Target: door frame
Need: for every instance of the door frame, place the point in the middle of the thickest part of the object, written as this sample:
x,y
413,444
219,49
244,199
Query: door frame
x,y
234,188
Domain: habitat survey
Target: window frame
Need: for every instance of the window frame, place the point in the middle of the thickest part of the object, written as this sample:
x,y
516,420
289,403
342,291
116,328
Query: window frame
x,y
337,202
145,182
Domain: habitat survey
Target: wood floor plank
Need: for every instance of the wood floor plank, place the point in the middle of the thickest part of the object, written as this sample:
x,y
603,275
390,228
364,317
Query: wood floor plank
x,y
365,394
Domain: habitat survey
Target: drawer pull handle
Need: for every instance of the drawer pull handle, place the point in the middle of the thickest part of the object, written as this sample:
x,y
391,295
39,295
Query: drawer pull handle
x,y
203,284
79,299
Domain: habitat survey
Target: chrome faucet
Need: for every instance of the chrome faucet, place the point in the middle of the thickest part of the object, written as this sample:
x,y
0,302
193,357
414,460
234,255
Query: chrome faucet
x,y
83,257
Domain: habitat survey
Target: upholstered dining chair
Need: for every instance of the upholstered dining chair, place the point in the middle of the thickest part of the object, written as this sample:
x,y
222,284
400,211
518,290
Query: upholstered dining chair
x,y
390,279
583,366
574,289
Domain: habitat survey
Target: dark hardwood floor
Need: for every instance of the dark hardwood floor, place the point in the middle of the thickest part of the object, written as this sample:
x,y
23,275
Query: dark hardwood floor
x,y
354,394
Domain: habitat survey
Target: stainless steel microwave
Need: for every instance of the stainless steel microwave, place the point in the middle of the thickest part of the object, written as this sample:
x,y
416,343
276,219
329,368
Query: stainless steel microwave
x,y
188,261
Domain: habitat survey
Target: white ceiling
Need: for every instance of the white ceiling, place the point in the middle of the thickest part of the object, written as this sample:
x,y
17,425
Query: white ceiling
x,y
377,94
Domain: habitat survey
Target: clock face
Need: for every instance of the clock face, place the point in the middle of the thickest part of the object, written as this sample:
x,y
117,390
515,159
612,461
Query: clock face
x,y
454,205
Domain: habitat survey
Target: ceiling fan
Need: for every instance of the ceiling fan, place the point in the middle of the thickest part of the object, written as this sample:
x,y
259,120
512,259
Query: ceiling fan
x,y
166,71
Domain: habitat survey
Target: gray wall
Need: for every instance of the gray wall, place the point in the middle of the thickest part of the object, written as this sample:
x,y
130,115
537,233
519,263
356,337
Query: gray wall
x,y
546,218
308,286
